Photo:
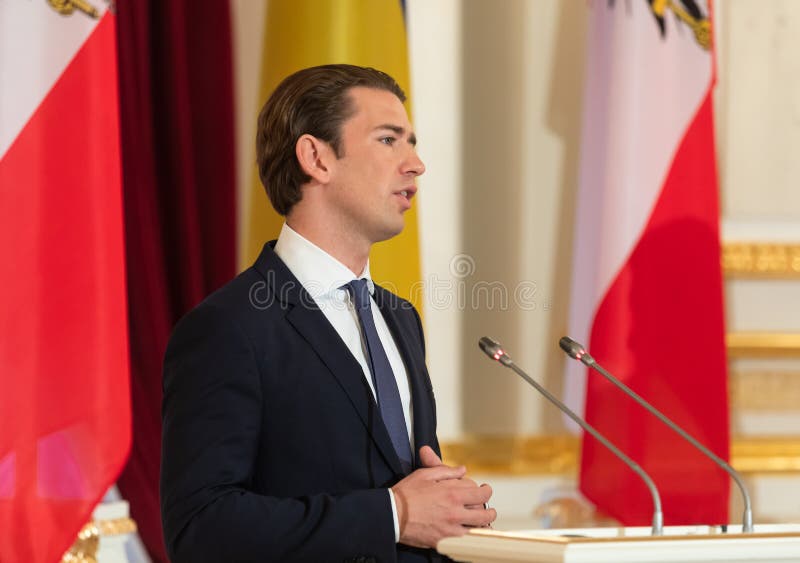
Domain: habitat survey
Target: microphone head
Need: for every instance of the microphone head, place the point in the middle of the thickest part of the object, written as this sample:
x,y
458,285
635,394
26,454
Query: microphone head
x,y
493,349
572,348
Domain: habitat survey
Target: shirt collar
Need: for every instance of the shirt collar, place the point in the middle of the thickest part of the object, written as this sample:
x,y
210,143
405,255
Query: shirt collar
x,y
320,274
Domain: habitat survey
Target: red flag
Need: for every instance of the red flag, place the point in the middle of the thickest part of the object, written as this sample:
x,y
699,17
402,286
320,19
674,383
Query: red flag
x,y
65,430
647,289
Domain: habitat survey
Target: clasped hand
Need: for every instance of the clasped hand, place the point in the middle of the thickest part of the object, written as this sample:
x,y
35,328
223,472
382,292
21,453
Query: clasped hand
x,y
438,501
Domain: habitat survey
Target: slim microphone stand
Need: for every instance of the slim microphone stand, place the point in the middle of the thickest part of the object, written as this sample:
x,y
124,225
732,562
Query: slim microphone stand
x,y
493,350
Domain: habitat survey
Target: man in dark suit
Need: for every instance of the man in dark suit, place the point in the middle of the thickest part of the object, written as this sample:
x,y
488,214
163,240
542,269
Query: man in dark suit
x,y
299,421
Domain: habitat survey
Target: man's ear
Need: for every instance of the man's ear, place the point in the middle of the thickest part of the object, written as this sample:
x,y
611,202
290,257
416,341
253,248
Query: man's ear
x,y
315,157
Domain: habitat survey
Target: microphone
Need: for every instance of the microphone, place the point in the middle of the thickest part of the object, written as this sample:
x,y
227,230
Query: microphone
x,y
493,349
578,352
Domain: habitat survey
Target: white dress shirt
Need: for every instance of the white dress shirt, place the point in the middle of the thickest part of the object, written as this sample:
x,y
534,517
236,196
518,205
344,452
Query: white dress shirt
x,y
323,276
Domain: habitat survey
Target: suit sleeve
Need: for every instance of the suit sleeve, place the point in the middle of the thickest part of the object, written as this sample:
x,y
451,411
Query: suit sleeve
x,y
212,414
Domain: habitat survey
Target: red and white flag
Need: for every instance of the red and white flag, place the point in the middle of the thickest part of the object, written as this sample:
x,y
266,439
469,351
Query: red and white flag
x,y
647,288
64,399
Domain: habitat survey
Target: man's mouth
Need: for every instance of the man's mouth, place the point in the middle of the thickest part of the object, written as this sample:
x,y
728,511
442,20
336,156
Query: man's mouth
x,y
408,193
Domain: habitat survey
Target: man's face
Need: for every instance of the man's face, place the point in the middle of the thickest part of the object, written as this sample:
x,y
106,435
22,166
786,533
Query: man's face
x,y
374,180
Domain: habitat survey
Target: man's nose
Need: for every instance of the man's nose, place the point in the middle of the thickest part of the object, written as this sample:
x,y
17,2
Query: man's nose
x,y
414,165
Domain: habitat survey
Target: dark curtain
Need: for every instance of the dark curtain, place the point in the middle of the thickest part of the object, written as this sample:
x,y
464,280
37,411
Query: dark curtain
x,y
176,107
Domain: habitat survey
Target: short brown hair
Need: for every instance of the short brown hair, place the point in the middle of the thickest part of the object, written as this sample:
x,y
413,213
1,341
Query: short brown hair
x,y
315,101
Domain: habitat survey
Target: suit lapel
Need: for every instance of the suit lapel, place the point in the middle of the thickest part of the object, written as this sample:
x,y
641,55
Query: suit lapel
x,y
414,362
304,315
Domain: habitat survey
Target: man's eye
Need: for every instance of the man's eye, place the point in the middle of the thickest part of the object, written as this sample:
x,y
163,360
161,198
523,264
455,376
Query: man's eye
x,y
387,140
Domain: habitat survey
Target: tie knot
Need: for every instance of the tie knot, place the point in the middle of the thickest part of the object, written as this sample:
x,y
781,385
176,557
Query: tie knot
x,y
359,292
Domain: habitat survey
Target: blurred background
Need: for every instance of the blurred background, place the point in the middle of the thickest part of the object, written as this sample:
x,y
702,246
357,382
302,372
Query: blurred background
x,y
496,94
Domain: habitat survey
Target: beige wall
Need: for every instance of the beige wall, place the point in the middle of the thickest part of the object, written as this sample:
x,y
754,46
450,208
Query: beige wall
x,y
523,71
758,109
758,127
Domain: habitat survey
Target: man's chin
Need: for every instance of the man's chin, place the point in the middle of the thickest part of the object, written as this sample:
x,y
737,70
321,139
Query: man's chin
x,y
390,231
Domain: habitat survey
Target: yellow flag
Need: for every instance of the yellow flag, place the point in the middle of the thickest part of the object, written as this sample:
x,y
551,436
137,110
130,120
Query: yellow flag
x,y
304,33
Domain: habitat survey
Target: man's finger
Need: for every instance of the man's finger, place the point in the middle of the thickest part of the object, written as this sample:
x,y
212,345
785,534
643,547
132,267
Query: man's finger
x,y
442,472
478,518
474,495
428,457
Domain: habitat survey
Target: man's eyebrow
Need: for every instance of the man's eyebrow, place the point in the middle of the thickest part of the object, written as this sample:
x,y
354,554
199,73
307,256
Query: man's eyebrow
x,y
398,130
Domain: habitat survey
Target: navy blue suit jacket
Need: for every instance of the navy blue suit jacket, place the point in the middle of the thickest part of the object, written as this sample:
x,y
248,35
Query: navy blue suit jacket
x,y
273,447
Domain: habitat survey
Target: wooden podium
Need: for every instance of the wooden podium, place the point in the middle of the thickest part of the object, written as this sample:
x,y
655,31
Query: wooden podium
x,y
679,544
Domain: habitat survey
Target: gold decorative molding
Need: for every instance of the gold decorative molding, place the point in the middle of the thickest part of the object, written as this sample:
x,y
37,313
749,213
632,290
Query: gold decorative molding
x,y
760,260
762,345
116,527
84,550
774,391
766,455
514,455
558,455
67,7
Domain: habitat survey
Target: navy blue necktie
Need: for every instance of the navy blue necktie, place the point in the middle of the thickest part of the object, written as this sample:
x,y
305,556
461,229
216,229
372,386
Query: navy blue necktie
x,y
387,395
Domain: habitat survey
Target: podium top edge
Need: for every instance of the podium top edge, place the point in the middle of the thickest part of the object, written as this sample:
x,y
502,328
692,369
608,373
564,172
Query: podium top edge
x,y
641,534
